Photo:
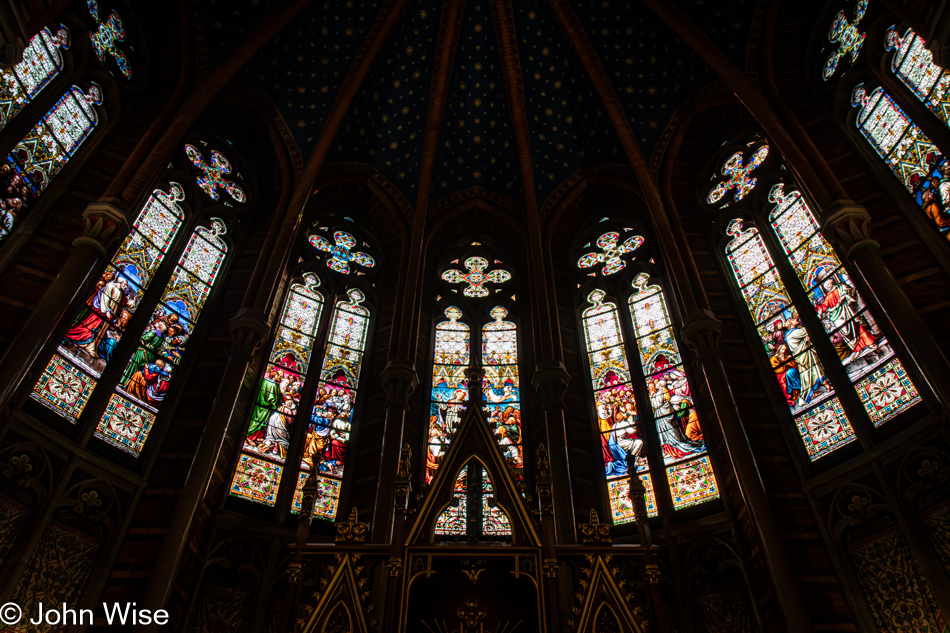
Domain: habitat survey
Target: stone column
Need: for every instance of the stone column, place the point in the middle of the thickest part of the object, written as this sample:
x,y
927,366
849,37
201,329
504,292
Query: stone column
x,y
399,381
247,332
551,380
103,225
848,225
702,332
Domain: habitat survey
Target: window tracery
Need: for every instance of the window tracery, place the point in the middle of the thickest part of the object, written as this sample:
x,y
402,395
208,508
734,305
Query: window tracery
x,y
473,513
288,378
846,38
44,151
913,64
848,327
106,37
41,62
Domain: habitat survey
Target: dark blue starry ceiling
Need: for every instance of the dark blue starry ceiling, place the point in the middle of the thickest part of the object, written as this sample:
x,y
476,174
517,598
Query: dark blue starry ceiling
x,y
305,65
386,123
651,69
728,25
566,119
476,144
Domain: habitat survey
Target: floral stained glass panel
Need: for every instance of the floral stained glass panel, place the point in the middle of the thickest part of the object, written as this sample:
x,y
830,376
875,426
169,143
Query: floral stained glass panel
x,y
798,370
910,154
494,520
145,381
41,62
267,438
851,328
449,386
453,521
677,423
913,64
42,153
617,417
90,342
501,397
331,418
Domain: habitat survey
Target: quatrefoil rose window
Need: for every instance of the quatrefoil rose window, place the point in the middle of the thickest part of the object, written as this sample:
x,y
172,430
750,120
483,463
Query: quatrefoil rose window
x,y
341,255
213,172
610,252
736,173
475,278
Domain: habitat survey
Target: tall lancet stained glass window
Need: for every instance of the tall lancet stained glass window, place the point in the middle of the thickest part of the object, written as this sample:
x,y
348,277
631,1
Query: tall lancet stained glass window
x,y
42,61
90,342
688,471
501,394
867,356
267,438
617,416
449,386
331,417
811,398
44,151
908,152
913,64
131,410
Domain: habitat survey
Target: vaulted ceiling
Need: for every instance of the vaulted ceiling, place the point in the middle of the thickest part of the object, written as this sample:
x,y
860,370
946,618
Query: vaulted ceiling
x,y
651,71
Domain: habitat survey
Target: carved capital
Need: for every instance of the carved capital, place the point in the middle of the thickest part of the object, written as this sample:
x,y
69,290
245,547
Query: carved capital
x,y
550,567
104,223
352,531
248,330
848,226
652,572
551,380
702,332
395,567
595,531
294,573
399,381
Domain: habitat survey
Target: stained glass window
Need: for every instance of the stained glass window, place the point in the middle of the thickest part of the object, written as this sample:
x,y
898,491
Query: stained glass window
x,y
106,38
738,176
610,252
913,64
214,174
449,386
846,39
130,412
800,374
473,512
688,470
42,153
501,387
268,437
913,157
617,417
474,277
331,417
41,62
340,254
89,344
863,349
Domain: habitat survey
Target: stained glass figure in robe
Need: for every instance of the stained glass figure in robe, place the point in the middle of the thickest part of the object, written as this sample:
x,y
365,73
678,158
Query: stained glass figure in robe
x,y
130,412
818,414
43,152
617,417
913,64
92,338
41,62
910,154
864,351
267,438
689,472
449,386
331,417
501,387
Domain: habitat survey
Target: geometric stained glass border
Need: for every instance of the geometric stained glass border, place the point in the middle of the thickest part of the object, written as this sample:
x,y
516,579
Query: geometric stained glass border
x,y
692,482
125,425
824,429
620,504
63,388
887,392
256,479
